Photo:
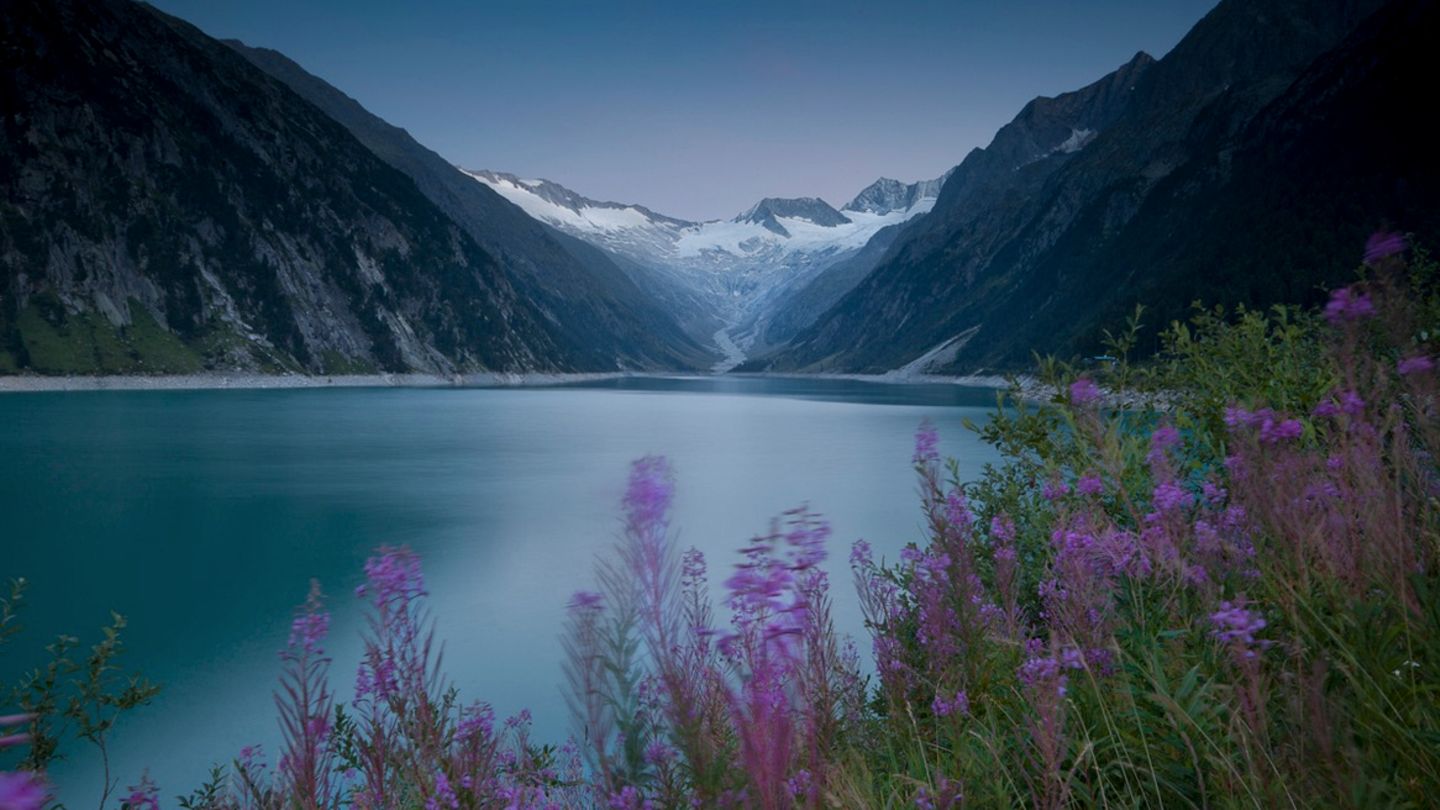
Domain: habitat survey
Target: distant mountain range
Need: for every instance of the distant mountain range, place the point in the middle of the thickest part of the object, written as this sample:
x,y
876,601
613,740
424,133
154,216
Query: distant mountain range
x,y
740,271
175,203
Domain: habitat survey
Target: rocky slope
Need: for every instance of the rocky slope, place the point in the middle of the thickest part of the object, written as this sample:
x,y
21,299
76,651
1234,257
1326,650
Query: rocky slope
x,y
168,207
1197,175
579,287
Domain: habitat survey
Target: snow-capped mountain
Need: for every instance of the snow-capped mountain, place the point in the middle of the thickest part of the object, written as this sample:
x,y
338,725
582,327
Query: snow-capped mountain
x,y
739,265
885,195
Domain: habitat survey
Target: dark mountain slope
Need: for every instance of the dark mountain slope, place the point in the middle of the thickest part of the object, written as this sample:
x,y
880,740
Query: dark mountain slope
x,y
592,300
1277,211
169,207
1023,254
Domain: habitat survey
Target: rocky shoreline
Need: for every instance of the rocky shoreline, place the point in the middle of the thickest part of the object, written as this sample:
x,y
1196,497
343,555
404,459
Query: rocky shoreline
x,y
247,380
1030,388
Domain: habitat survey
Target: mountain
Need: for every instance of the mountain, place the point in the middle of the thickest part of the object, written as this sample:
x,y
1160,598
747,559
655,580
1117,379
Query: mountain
x,y
769,211
885,195
726,274
581,290
168,207
1241,168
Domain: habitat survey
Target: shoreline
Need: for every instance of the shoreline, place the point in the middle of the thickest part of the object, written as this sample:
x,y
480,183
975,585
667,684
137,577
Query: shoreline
x,y
252,381
1030,387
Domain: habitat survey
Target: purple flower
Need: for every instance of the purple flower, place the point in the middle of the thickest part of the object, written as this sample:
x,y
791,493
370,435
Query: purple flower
x,y
927,443
1164,438
1055,490
692,566
1382,245
1348,304
861,555
1002,528
652,487
586,600
252,757
1170,497
628,798
944,707
392,576
801,785
1273,431
144,796
1236,625
1083,391
477,722
310,626
1351,403
657,753
22,791
444,794
1419,364
1090,484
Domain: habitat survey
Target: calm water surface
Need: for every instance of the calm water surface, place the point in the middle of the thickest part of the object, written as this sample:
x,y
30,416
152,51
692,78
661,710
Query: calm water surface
x,y
202,516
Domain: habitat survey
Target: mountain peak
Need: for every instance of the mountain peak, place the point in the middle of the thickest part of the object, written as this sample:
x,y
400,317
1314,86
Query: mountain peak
x,y
812,209
886,195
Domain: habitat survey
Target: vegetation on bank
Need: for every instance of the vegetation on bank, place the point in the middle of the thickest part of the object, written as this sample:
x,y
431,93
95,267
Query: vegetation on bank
x,y
1228,599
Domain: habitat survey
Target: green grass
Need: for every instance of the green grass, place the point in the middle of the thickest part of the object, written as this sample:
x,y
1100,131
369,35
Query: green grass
x,y
59,342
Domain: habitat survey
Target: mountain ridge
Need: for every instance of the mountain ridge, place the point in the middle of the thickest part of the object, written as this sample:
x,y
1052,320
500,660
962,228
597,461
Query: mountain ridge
x,y
1036,257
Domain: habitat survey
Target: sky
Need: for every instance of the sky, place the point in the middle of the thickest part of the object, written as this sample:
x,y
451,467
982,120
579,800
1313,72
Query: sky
x,y
695,108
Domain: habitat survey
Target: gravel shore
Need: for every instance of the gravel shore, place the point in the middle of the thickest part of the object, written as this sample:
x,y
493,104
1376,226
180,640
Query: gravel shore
x,y
241,380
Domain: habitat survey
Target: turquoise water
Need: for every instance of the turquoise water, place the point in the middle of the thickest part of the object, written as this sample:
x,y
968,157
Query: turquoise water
x,y
202,516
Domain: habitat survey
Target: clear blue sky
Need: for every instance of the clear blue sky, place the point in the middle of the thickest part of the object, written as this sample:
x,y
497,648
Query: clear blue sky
x,y
698,108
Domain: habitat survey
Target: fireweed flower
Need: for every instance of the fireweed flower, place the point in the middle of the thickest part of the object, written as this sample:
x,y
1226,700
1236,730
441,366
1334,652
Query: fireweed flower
x,y
1419,364
944,707
586,600
10,721
252,758
801,785
1171,497
648,496
144,796
927,443
1382,245
1055,490
24,791
1348,304
861,555
305,704
1083,391
392,575
658,754
957,511
1089,484
1351,403
1236,626
444,795
1002,528
308,630
477,722
1274,432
